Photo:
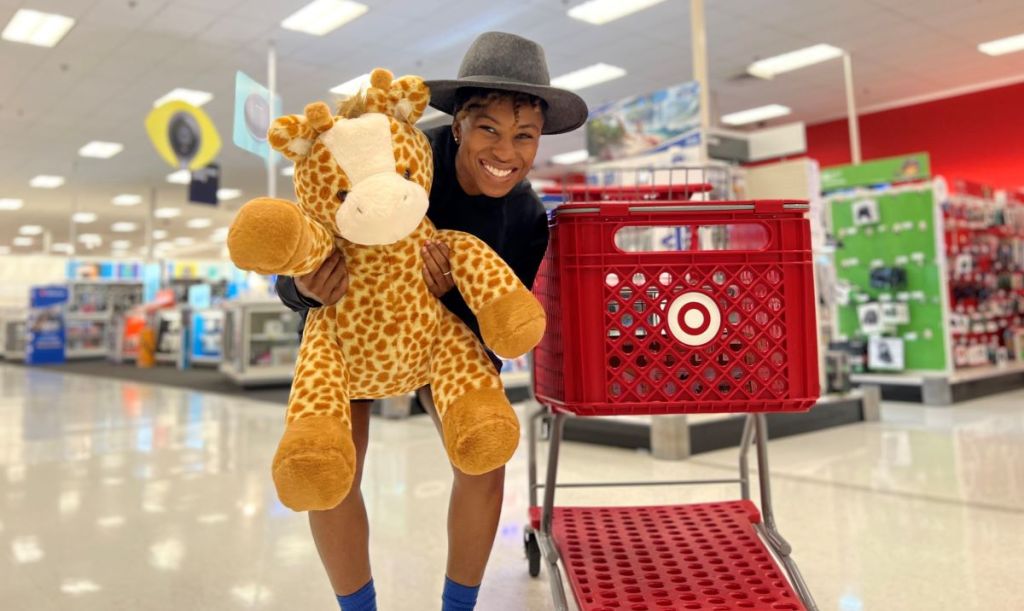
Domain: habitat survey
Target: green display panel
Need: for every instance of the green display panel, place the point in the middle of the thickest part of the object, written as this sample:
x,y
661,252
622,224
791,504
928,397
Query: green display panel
x,y
915,166
899,233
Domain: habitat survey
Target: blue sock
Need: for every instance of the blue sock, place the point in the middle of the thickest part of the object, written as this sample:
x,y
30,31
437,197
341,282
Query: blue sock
x,y
363,599
458,597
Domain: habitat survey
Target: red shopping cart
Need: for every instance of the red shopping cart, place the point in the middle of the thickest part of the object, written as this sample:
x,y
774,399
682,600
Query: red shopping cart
x,y
658,304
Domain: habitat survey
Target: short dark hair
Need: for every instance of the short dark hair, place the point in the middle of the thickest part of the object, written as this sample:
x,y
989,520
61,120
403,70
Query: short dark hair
x,y
467,98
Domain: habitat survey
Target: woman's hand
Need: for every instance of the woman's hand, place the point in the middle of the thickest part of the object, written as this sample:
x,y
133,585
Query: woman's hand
x,y
437,271
329,283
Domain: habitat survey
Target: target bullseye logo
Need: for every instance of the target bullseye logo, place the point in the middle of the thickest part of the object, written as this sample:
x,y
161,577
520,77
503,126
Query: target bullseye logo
x,y
694,319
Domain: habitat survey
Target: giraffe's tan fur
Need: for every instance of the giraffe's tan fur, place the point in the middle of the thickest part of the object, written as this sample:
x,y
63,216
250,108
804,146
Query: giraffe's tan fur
x,y
388,335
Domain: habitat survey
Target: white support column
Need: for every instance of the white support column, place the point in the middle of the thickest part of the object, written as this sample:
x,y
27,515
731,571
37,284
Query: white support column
x,y
851,110
272,89
150,225
700,71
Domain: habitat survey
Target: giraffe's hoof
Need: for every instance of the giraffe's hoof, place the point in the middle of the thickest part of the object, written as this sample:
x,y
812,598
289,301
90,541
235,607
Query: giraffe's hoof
x,y
512,324
481,431
315,464
268,236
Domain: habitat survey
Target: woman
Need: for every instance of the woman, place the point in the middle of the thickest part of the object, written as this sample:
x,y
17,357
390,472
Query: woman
x,y
501,103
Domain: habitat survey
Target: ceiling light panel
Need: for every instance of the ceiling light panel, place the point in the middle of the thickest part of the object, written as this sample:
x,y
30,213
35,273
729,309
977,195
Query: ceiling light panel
x,y
84,218
753,115
600,12
588,77
167,213
323,16
191,96
44,181
8,203
101,150
794,60
201,223
127,199
352,87
181,177
1002,46
37,28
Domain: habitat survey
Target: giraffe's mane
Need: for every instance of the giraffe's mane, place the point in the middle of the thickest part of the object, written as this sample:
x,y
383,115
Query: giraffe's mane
x,y
353,106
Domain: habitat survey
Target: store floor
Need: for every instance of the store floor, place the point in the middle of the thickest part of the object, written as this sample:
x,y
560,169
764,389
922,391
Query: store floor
x,y
116,495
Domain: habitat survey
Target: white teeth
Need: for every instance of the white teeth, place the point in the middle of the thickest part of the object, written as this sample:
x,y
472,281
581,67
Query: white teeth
x,y
496,172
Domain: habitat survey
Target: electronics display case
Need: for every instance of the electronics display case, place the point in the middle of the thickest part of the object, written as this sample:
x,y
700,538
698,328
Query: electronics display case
x,y
984,240
13,333
207,337
167,324
260,342
92,308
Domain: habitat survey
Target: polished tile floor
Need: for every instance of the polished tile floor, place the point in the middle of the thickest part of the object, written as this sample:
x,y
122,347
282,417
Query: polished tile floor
x,y
120,496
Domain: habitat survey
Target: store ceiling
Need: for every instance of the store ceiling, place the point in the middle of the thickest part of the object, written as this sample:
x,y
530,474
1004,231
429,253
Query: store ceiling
x,y
101,80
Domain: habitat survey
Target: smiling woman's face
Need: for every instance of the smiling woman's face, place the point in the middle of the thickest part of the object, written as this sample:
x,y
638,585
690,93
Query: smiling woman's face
x,y
497,145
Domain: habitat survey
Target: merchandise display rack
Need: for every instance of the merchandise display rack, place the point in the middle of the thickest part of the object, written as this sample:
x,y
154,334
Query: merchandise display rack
x,y
930,282
91,311
260,343
207,337
13,334
167,325
984,241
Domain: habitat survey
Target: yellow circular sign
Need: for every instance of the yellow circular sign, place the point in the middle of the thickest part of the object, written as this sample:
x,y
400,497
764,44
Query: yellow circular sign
x,y
183,134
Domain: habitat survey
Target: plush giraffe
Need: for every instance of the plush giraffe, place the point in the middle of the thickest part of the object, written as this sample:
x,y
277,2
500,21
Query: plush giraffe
x,y
362,181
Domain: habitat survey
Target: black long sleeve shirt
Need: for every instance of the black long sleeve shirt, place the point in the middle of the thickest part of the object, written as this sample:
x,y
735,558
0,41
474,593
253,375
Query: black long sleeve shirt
x,y
515,226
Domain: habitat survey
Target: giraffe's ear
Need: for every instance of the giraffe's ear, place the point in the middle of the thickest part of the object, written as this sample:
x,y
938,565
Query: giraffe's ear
x,y
404,99
292,136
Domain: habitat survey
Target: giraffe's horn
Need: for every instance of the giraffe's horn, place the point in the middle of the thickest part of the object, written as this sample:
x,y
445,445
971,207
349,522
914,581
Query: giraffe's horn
x,y
318,114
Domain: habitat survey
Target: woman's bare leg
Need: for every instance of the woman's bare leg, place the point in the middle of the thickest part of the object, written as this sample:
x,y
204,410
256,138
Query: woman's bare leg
x,y
342,534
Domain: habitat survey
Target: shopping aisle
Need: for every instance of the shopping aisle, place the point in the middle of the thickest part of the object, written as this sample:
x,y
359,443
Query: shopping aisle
x,y
121,496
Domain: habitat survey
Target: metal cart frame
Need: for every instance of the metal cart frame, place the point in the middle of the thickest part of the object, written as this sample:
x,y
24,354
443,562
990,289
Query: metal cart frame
x,y
540,544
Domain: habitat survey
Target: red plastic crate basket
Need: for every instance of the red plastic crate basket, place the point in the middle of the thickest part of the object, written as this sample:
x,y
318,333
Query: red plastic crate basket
x,y
659,307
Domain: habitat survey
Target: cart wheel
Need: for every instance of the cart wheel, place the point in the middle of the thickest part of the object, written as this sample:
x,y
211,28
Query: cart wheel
x,y
532,551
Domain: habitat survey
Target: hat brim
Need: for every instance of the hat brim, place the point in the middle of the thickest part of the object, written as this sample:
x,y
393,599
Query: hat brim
x,y
566,111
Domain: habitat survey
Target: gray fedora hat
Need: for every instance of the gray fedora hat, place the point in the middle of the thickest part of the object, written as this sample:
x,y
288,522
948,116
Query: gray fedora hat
x,y
497,60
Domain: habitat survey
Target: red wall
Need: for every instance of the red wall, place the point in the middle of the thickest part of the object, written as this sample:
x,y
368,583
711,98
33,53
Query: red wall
x,y
978,136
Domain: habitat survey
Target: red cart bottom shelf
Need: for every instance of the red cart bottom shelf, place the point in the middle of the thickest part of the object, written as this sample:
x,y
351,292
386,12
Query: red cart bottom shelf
x,y
702,556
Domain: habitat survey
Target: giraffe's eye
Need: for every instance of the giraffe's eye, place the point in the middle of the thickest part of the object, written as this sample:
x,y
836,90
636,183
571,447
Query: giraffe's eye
x,y
342,195
408,174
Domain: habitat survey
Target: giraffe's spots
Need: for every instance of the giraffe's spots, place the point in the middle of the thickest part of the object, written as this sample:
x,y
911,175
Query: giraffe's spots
x,y
324,156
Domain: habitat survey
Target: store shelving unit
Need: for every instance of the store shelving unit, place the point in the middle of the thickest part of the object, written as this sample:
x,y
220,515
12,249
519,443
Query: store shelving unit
x,y
167,324
984,241
91,311
930,292
207,337
260,343
13,334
